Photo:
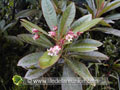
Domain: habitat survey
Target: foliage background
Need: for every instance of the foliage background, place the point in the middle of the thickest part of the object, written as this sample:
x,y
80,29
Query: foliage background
x,y
11,50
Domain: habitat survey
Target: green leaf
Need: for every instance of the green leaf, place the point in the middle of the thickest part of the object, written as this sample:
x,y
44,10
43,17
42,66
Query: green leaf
x,y
35,73
12,24
47,60
26,13
113,17
67,18
80,21
30,60
91,55
68,74
14,39
88,42
115,3
42,41
109,31
49,13
111,6
29,26
91,4
84,45
80,69
87,25
104,23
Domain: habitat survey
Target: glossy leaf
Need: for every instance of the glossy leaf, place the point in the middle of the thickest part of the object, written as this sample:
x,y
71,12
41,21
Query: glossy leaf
x,y
30,60
91,55
29,26
109,31
47,60
42,41
109,7
35,73
80,21
68,73
26,13
49,13
67,18
115,4
87,25
104,23
113,17
80,69
85,45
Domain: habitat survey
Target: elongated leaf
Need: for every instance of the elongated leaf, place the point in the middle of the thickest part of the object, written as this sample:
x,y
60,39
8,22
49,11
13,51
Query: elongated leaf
x,y
80,21
30,60
113,17
87,25
82,48
85,45
115,4
110,7
29,26
35,73
12,24
104,23
67,18
68,73
89,42
47,60
109,31
91,55
42,41
80,69
91,4
49,13
14,39
26,13
90,9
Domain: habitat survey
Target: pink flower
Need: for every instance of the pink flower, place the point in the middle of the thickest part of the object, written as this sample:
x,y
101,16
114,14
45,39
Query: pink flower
x,y
79,33
70,32
62,41
34,30
52,34
53,51
50,52
55,28
69,37
36,36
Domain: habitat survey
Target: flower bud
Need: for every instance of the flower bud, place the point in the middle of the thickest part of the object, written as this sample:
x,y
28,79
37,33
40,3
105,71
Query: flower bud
x,y
52,34
55,28
36,36
34,30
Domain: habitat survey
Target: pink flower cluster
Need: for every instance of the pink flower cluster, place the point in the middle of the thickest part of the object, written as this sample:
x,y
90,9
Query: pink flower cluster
x,y
70,35
53,33
53,51
35,31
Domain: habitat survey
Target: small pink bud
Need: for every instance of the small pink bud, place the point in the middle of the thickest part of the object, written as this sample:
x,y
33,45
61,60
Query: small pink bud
x,y
70,32
75,36
34,30
79,33
36,36
52,34
55,28
62,41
